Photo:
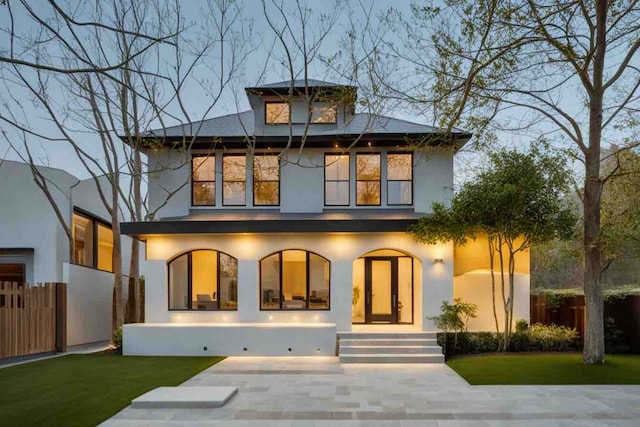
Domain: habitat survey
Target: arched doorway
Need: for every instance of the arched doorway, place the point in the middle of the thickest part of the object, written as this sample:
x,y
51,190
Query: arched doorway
x,y
383,288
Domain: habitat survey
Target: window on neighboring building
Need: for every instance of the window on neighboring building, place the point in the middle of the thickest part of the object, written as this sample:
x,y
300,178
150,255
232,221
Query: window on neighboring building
x,y
277,113
266,180
92,242
327,114
203,280
368,179
203,180
294,280
399,179
234,175
12,272
336,179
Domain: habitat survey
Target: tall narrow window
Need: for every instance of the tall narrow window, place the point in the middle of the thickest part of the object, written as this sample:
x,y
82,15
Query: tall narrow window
x,y
203,280
203,180
266,180
277,113
336,179
294,280
368,179
399,179
234,175
92,242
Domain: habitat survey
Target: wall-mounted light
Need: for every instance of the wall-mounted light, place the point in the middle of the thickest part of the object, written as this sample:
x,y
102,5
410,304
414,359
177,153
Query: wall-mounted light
x,y
438,261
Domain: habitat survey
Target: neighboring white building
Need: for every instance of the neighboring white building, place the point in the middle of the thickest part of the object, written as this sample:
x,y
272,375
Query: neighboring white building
x,y
34,247
265,248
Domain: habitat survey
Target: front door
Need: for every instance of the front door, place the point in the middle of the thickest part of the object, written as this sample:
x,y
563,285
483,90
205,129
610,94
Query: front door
x,y
381,289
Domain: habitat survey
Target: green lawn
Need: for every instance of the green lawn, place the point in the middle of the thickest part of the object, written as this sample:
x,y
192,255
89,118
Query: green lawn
x,y
84,390
546,369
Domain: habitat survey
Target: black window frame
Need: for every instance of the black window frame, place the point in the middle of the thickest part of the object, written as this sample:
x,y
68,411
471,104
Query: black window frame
x,y
189,255
266,103
379,180
95,221
225,155
348,180
399,180
253,176
308,284
213,156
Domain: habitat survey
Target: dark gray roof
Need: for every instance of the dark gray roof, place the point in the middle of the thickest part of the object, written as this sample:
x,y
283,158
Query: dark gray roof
x,y
236,124
241,125
297,83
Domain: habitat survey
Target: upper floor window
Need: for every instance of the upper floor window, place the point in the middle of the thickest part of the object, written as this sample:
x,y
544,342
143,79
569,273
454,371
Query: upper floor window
x,y
203,180
203,280
326,114
277,112
294,280
92,242
368,179
336,179
266,180
234,176
399,179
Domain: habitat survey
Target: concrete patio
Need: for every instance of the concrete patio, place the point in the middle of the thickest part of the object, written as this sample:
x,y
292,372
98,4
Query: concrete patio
x,y
318,391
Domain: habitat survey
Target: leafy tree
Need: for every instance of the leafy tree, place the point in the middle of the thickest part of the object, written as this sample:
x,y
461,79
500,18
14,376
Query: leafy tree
x,y
565,69
516,202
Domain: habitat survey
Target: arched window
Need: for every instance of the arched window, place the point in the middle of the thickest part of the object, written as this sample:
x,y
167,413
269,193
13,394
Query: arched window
x,y
203,280
294,280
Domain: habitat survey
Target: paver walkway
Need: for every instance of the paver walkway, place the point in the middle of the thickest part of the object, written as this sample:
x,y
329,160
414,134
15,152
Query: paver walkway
x,y
319,391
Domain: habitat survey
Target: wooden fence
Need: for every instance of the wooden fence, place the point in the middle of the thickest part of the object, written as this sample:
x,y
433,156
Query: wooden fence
x,y
32,318
570,311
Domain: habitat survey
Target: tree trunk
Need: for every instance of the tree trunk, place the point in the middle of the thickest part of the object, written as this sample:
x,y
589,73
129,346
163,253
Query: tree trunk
x,y
493,283
117,271
505,302
594,302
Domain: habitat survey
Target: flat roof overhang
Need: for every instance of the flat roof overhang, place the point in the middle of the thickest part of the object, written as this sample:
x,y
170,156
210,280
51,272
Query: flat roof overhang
x,y
141,229
456,140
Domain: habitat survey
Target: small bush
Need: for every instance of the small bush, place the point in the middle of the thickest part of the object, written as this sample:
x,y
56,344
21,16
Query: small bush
x,y
552,338
520,341
614,341
522,325
470,343
117,339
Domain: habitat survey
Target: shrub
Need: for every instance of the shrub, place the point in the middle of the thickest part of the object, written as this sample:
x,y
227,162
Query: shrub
x,y
520,341
614,341
522,325
552,338
470,342
117,339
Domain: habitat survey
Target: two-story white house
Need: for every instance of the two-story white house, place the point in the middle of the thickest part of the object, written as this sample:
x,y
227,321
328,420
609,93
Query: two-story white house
x,y
286,224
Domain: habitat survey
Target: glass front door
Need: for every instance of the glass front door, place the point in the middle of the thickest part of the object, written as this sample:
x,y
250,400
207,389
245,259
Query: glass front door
x,y
381,290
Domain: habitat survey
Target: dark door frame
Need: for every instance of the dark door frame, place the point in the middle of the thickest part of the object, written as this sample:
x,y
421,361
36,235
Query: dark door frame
x,y
369,317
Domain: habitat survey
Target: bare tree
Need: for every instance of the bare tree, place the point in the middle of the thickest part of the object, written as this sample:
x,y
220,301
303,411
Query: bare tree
x,y
565,71
147,90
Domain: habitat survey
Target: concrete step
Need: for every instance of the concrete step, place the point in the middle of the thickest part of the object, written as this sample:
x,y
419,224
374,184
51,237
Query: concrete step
x,y
387,335
392,358
387,342
417,349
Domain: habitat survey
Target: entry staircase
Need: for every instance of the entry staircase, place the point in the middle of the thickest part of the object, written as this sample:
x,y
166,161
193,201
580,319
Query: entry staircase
x,y
389,347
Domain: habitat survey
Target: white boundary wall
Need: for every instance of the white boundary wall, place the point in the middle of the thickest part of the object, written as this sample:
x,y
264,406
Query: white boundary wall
x,y
89,304
475,287
171,339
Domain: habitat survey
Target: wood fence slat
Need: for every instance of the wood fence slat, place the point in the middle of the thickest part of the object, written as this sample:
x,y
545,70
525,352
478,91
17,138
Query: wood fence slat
x,y
32,318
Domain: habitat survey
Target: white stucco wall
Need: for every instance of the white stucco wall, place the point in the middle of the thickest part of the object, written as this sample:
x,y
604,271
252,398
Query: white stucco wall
x,y
89,304
475,287
27,219
301,182
434,282
229,339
